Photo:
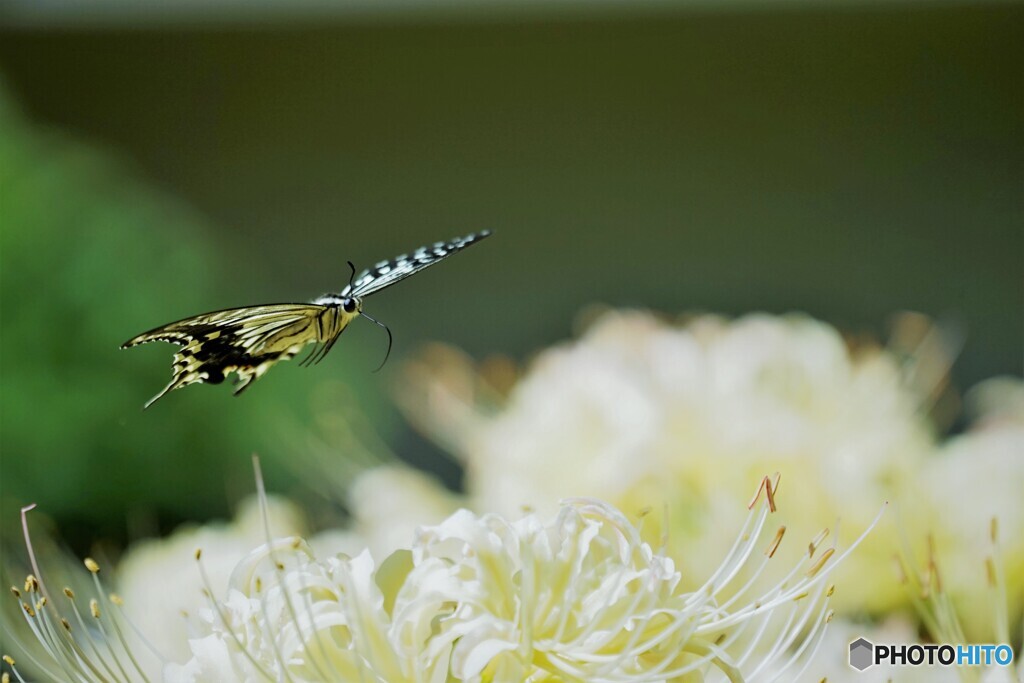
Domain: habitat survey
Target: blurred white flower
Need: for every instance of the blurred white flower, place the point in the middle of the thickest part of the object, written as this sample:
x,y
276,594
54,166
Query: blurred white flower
x,y
390,502
167,563
977,477
833,665
942,619
644,413
942,623
75,633
997,403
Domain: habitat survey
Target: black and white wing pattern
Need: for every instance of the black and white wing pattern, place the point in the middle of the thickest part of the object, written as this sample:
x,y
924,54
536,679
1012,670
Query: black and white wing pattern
x,y
387,273
247,341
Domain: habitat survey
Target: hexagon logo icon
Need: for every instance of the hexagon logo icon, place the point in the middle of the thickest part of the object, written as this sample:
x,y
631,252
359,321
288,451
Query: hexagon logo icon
x,y
861,654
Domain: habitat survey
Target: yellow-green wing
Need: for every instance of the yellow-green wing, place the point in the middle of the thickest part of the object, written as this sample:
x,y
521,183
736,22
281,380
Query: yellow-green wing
x,y
247,341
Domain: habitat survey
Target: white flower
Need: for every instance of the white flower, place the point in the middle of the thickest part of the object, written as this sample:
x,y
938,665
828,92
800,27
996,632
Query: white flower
x,y
975,478
167,563
679,419
833,665
289,616
580,597
997,403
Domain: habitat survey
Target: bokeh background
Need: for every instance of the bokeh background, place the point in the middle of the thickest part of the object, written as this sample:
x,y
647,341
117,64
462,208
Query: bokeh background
x,y
155,163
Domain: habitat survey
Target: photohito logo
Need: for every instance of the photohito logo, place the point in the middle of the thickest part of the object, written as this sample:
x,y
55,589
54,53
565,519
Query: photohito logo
x,y
864,654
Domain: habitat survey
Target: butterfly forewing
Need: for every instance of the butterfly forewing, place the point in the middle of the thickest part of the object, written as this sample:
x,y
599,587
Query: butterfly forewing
x,y
387,273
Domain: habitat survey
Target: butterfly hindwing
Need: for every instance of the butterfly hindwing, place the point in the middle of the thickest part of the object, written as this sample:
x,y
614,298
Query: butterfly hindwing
x,y
387,273
246,341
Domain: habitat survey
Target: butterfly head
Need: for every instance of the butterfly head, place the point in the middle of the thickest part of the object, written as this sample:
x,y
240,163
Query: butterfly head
x,y
353,305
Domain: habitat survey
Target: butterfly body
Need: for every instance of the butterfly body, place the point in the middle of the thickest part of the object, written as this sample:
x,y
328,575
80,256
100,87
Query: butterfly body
x,y
249,341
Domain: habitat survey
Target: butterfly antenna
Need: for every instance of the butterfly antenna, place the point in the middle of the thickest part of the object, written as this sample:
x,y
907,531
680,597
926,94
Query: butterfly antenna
x,y
388,329
353,275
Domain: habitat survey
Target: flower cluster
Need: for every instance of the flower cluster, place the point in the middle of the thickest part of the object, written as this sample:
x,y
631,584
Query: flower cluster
x,y
576,597
668,424
645,413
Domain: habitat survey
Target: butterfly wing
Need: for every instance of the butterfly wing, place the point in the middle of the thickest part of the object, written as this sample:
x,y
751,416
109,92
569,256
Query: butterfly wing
x,y
247,341
387,273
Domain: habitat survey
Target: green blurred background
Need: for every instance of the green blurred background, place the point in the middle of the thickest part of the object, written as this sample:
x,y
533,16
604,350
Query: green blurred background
x,y
848,162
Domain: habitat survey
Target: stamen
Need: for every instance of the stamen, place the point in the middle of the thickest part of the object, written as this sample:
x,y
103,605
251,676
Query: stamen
x,y
94,609
901,570
116,600
87,637
224,621
816,542
261,492
821,562
769,488
770,551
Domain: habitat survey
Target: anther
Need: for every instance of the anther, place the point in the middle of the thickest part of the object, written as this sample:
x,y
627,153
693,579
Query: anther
x,y
821,562
812,547
774,545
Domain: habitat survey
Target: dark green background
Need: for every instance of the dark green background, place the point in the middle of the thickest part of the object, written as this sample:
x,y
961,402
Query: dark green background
x,y
848,163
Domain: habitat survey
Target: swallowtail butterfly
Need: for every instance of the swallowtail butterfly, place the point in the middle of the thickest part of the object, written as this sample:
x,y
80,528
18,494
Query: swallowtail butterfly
x,y
249,341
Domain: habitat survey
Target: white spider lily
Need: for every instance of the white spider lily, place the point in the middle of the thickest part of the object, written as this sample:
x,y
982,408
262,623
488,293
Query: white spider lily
x,y
79,638
580,597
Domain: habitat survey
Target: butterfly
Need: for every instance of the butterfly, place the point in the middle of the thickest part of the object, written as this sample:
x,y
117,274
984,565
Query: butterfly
x,y
249,341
